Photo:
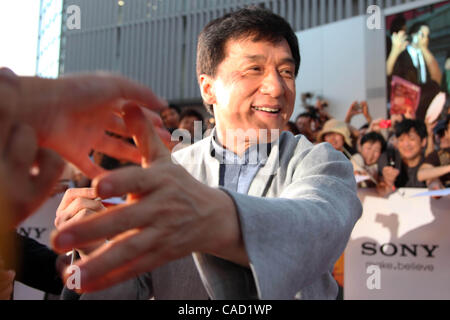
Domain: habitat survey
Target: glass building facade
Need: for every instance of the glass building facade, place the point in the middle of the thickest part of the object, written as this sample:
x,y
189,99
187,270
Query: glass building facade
x,y
154,41
48,49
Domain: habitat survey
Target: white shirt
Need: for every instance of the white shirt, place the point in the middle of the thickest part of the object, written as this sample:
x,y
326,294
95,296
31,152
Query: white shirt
x,y
418,60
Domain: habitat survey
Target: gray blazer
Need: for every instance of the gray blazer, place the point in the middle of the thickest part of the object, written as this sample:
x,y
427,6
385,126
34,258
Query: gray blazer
x,y
296,220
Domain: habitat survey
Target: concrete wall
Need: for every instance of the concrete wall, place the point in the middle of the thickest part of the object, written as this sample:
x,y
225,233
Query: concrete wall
x,y
343,62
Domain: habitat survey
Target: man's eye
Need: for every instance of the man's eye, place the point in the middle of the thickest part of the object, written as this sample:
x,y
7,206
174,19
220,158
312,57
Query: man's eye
x,y
255,69
287,73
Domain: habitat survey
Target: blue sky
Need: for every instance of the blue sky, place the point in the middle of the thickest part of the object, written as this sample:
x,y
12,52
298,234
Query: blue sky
x,y
19,23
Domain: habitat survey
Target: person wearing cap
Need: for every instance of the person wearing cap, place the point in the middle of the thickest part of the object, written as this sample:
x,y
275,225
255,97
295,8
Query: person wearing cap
x,y
337,134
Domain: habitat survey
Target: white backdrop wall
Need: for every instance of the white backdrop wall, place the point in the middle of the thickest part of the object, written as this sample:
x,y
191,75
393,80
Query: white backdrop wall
x,y
344,61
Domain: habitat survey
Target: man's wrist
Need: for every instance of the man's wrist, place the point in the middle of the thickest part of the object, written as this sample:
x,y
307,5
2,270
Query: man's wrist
x,y
229,242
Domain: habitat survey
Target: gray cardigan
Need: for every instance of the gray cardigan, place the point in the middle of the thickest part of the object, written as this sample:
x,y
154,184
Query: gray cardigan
x,y
295,220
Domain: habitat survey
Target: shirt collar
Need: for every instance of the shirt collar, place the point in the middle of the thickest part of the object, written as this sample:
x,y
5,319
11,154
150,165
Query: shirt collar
x,y
251,155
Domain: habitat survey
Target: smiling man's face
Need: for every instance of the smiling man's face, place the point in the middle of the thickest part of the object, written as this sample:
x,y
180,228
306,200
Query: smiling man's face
x,y
254,87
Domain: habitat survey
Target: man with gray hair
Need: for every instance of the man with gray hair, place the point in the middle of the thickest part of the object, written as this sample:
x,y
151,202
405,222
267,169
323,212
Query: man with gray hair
x,y
246,213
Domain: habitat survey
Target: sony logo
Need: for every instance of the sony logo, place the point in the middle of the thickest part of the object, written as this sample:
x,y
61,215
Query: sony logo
x,y
402,250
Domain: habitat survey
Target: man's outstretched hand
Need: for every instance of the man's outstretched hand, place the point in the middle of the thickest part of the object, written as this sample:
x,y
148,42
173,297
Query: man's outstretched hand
x,y
72,114
168,215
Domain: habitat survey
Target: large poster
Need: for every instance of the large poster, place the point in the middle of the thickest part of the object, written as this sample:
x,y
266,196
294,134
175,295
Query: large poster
x,y
400,248
418,61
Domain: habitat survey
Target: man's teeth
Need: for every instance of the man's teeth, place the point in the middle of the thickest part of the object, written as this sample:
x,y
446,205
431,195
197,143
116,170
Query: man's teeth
x,y
267,109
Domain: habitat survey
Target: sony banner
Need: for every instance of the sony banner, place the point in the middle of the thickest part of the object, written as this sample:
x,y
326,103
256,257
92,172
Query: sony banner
x,y
400,248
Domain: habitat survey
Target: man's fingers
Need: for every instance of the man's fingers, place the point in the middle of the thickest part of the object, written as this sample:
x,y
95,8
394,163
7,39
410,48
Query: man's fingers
x,y
117,257
129,180
133,91
9,91
83,91
145,135
145,263
115,123
106,224
77,207
153,117
51,167
21,148
36,189
118,148
74,193
87,167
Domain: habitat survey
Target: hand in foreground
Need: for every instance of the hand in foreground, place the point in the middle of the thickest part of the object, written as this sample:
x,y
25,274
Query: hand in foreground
x,y
24,188
76,204
71,114
168,215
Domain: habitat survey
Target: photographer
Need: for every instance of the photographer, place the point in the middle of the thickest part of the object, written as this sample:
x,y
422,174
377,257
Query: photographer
x,y
355,109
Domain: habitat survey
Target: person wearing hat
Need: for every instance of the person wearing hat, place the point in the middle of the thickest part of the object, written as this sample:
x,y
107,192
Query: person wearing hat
x,y
337,134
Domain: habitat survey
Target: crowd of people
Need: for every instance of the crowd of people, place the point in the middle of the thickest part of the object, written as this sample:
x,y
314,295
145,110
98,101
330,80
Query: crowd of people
x,y
401,151
388,153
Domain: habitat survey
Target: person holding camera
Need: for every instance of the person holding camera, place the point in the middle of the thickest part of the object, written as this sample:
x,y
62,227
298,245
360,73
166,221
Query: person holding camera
x,y
355,109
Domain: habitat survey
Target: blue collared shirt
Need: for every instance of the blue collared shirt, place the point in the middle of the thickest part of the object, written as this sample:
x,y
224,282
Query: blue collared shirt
x,y
237,173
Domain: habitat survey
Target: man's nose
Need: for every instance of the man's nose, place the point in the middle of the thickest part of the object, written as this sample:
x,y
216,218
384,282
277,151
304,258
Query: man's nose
x,y
272,84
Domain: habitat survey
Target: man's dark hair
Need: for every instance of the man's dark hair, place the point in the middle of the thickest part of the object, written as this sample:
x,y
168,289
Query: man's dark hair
x,y
406,125
309,114
416,27
175,107
398,23
373,137
442,126
191,113
251,22
364,126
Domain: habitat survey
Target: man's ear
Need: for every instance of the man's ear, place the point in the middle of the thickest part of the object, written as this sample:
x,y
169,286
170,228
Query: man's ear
x,y
207,89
